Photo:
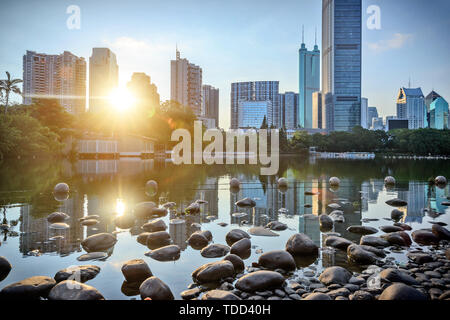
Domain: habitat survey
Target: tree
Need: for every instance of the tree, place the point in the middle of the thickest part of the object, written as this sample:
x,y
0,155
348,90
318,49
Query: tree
x,y
52,115
9,85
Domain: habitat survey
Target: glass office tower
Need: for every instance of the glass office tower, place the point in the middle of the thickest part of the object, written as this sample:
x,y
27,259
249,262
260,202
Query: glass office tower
x,y
341,62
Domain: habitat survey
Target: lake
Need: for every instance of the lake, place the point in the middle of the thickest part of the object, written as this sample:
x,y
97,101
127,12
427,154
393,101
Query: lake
x,y
109,188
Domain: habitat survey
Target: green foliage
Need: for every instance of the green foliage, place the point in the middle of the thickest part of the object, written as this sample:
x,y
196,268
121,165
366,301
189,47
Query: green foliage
x,y
52,115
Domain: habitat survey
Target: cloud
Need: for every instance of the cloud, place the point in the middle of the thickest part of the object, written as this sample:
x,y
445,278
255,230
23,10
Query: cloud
x,y
397,41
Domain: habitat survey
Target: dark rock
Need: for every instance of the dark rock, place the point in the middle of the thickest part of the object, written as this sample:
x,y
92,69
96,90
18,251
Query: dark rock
x,y
419,258
400,291
61,187
360,256
335,275
337,242
73,290
155,225
93,256
379,252
130,288
167,253
193,208
241,248
99,242
213,272
155,289
236,235
142,238
362,229
373,241
56,217
361,295
197,240
325,222
445,295
277,259
317,296
301,244
399,238
259,281
190,294
237,262
341,292
441,232
5,268
28,289
396,214
425,237
77,273
277,226
136,270
246,203
395,275
337,216
215,251
158,239
397,203
262,232
144,209
219,295
389,229
404,226
89,222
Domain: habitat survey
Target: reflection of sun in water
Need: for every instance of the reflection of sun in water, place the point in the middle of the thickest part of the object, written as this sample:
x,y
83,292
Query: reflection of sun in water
x,y
120,207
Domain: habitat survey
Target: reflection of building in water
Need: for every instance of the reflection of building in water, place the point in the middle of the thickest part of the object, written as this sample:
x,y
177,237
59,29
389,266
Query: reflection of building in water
x,y
35,232
124,166
415,195
365,189
180,232
105,209
436,196
209,191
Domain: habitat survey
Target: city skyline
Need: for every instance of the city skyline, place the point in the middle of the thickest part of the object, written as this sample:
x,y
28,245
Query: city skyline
x,y
228,59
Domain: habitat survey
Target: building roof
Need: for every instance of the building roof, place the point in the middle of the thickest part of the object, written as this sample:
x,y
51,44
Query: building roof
x,y
439,102
433,95
412,91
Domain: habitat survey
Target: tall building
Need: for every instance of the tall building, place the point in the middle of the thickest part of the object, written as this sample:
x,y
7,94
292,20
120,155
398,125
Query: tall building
x,y
364,112
318,113
309,82
103,78
411,106
60,76
289,108
210,103
439,114
377,124
186,83
341,61
256,91
428,100
253,113
145,92
372,113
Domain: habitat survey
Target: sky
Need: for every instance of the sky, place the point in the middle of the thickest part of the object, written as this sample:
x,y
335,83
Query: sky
x,y
246,40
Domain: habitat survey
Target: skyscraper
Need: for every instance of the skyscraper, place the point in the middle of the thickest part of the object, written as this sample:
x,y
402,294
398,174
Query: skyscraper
x,y
318,112
341,62
428,100
411,106
210,103
439,114
372,112
364,112
289,109
186,84
55,76
103,78
309,82
143,90
252,113
256,91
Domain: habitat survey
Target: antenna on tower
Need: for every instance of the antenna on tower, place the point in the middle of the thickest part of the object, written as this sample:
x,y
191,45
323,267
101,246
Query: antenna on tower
x,y
177,52
303,33
409,82
315,37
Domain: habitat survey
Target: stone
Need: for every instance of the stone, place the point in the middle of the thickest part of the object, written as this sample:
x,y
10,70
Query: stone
x,y
190,294
215,251
262,232
5,268
441,232
361,296
237,262
317,296
155,225
99,242
93,256
341,292
89,222
59,226
61,188
337,216
213,272
425,237
260,281
282,183
197,240
401,291
362,230
79,273
234,183
155,289
130,288
326,222
241,248
397,203
399,238
276,225
32,288
396,214
335,275
277,259
337,242
390,229
440,180
246,203
142,238
219,295
136,270
193,208
158,239
301,244
379,252
235,235
334,182
419,258
389,181
166,253
73,290
374,241
395,275
144,209
57,217
404,226
360,256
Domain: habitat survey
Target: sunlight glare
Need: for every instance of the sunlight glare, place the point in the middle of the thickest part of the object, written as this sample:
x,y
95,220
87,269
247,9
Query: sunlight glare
x,y
120,207
121,99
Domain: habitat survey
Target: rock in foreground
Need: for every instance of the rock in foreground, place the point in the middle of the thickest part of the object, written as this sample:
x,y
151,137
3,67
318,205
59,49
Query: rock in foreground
x,y
73,290
260,281
155,289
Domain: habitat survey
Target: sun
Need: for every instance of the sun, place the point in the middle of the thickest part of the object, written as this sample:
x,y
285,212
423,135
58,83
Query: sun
x,y
121,99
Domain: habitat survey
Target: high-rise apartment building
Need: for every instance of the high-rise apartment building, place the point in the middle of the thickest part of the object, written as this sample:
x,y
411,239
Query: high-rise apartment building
x,y
289,108
372,112
60,76
210,103
318,112
145,92
103,78
186,83
309,82
411,106
256,91
341,62
364,112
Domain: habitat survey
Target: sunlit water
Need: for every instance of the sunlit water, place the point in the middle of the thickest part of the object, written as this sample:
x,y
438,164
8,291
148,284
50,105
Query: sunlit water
x,y
112,187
